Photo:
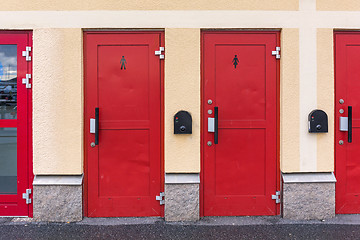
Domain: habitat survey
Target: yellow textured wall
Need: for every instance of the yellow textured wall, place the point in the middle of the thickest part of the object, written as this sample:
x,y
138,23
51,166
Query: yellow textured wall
x,y
26,5
57,101
338,5
325,97
182,92
289,101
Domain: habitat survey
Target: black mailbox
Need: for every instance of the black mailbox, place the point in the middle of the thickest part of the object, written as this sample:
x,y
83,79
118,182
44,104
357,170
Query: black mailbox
x,y
318,121
182,123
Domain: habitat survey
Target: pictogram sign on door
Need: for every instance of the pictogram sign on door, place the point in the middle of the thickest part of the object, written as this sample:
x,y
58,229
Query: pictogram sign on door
x,y
123,124
347,122
15,124
240,170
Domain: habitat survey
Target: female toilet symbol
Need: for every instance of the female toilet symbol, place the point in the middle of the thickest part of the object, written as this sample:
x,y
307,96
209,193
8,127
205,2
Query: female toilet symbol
x,y
123,62
235,61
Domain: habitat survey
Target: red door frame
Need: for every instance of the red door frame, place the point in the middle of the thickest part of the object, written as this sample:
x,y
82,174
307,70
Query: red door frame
x,y
340,135
202,127
29,134
86,124
27,98
335,127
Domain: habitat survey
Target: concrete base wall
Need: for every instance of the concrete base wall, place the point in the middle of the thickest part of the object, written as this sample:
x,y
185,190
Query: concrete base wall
x,y
57,203
308,200
182,202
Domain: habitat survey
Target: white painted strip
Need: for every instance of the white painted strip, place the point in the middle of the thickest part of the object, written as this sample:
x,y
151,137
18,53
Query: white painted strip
x,y
182,178
308,177
308,85
41,180
177,19
308,98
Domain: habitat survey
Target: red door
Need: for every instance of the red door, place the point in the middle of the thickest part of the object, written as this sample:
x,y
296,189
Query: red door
x,y
123,81
347,152
15,124
240,87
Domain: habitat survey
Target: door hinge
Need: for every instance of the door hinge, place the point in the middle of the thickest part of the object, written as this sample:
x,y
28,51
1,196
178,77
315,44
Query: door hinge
x,y
276,53
276,197
26,80
26,53
26,196
161,198
158,53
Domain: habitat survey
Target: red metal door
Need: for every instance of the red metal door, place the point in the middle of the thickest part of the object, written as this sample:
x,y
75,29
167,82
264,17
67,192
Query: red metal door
x,y
123,80
15,124
240,79
347,88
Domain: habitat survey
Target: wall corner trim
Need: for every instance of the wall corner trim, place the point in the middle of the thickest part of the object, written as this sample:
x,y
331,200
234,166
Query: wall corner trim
x,y
321,177
67,180
182,178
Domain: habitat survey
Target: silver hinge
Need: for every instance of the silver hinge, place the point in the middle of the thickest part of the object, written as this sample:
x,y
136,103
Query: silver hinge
x,y
161,198
26,196
158,53
276,53
26,80
276,197
26,53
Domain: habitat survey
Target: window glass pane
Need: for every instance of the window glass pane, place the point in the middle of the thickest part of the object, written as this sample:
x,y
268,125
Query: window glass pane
x,y
8,161
8,83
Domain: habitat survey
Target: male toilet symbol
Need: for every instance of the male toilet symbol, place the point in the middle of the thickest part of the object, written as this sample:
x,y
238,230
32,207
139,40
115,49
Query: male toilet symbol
x,y
123,62
235,61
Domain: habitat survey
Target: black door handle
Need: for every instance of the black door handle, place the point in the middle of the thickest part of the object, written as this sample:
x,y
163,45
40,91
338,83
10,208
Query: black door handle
x,y
96,126
216,115
349,124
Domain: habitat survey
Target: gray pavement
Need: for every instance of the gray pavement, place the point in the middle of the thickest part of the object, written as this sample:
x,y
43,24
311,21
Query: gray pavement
x,y
340,227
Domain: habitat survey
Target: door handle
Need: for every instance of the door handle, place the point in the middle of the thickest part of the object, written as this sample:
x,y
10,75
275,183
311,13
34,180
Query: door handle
x,y
349,124
216,116
96,126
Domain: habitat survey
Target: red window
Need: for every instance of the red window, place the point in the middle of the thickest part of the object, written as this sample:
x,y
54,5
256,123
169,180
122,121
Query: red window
x,y
15,124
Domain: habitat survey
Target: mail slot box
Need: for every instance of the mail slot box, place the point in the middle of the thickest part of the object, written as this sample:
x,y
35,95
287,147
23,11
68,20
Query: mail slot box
x,y
182,123
318,121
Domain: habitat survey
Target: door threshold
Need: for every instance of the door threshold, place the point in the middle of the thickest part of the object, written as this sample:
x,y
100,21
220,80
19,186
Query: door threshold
x,y
120,220
14,216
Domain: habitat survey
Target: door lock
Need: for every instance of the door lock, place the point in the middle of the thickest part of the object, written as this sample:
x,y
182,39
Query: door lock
x,y
209,143
92,144
341,142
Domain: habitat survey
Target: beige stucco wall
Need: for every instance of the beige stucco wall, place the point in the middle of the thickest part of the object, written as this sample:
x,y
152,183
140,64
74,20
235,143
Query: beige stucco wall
x,y
338,5
289,101
182,92
325,97
57,101
26,5
306,70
